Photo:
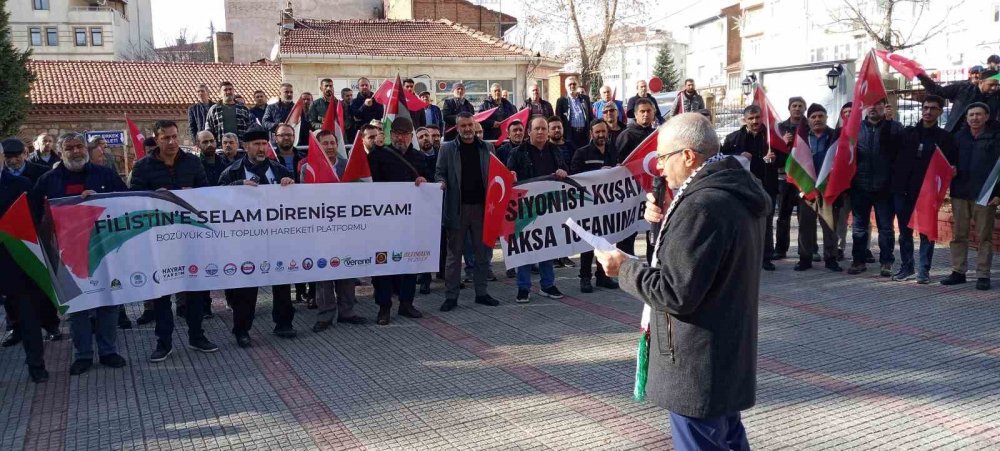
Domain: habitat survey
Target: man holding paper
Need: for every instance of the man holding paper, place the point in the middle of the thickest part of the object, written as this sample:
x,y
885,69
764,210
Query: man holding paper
x,y
702,288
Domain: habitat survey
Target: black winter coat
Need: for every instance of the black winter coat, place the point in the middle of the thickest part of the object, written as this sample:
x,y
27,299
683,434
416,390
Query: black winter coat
x,y
910,160
150,174
756,145
388,165
33,171
629,139
703,328
520,160
236,173
590,158
978,156
961,96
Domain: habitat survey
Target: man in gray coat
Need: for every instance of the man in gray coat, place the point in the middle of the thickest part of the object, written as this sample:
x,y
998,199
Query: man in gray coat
x,y
463,169
701,290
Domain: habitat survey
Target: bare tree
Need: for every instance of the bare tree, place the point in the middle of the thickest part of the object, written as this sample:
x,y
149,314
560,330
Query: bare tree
x,y
877,18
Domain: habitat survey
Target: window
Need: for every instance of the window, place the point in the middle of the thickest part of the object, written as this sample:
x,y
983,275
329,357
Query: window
x,y
475,90
80,36
51,36
40,4
36,36
97,36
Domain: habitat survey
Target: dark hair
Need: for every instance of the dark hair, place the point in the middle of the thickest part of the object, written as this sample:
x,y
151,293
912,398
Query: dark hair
x,y
688,79
463,115
993,59
367,127
645,101
325,80
419,129
283,124
409,80
286,84
794,99
425,93
259,91
553,119
162,124
933,99
342,91
596,122
513,123
225,83
987,74
752,109
323,133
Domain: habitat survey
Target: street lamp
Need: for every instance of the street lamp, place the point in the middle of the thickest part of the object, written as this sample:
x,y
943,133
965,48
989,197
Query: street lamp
x,y
833,77
748,84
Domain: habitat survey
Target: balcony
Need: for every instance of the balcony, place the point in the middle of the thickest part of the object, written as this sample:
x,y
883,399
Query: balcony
x,y
93,14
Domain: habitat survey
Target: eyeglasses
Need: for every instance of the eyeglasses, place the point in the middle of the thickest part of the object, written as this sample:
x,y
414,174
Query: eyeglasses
x,y
664,157
610,111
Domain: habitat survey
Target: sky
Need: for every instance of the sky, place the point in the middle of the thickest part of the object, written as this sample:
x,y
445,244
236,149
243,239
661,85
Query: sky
x,y
171,16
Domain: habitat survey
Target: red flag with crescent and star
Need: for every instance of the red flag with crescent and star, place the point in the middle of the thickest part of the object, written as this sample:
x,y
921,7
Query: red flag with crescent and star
x,y
642,161
499,191
937,179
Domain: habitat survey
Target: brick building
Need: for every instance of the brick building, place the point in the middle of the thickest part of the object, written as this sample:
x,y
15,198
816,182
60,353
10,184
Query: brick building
x,y
96,95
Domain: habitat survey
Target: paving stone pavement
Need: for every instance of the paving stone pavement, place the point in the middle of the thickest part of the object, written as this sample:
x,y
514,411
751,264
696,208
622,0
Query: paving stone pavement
x,y
845,362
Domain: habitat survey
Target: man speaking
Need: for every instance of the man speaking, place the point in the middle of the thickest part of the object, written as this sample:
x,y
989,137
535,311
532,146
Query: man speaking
x,y
701,291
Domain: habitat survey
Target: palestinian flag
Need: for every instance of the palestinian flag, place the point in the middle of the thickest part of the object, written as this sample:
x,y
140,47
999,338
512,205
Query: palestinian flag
x,y
19,236
395,107
799,167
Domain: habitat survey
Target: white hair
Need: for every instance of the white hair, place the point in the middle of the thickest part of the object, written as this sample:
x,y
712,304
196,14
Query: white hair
x,y
688,131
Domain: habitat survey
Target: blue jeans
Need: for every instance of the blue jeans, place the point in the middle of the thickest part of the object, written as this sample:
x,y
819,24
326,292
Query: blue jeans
x,y
862,203
545,271
106,333
904,209
722,433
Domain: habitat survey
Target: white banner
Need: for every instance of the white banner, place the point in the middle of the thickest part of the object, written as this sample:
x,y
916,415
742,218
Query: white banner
x,y
608,203
127,247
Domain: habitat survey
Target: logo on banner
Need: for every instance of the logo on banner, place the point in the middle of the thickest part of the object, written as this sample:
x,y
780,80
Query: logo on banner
x,y
381,258
334,262
247,267
116,285
307,264
265,267
397,256
169,273
193,270
137,279
348,261
212,270
292,266
229,269
418,256
321,263
279,266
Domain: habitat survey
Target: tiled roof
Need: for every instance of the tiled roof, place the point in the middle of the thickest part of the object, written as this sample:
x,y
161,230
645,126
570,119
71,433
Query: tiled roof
x,y
396,38
142,83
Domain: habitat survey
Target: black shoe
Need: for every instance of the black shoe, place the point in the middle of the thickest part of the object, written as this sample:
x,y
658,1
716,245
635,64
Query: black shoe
x,y
123,321
551,292
11,338
567,262
558,263
817,258
298,299
869,257
857,268
312,305
511,273
903,274
38,374
449,305
112,361
491,278
833,266
243,341
607,282
383,316
53,335
534,269
840,255
160,353
954,278
983,283
356,320
523,296
285,331
425,288
585,286
148,316
767,266
803,265
80,366
885,270
203,345
779,256
487,300
409,311
320,326
467,279
461,286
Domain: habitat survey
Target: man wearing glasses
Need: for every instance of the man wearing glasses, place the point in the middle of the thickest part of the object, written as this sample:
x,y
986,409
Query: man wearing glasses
x,y
606,100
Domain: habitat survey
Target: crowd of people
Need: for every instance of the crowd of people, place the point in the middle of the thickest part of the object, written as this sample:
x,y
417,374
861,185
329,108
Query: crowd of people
x,y
233,141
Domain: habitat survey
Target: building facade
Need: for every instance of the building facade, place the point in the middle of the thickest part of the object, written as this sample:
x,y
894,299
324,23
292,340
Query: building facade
x,y
82,29
632,54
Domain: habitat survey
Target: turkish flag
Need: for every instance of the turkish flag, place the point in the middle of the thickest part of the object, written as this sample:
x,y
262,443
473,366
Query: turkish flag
x,y
334,116
318,168
642,161
869,88
357,169
905,66
478,117
413,103
937,179
499,188
137,139
521,116
770,116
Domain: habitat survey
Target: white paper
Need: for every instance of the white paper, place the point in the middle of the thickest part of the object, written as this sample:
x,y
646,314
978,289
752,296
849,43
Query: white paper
x,y
598,243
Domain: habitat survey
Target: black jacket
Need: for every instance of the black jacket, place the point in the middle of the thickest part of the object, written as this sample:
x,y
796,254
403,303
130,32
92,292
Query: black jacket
x,y
388,165
520,160
364,114
686,104
541,108
961,95
11,277
785,126
214,170
873,151
703,329
630,107
504,110
236,173
589,158
756,145
563,110
452,106
910,160
100,179
503,151
151,174
33,171
977,157
36,158
629,139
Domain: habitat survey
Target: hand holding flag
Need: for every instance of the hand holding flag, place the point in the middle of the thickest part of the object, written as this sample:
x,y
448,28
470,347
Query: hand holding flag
x,y
357,169
907,67
499,188
137,139
937,179
317,168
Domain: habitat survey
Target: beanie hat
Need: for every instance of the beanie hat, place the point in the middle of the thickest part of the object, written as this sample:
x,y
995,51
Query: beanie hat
x,y
792,100
815,108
